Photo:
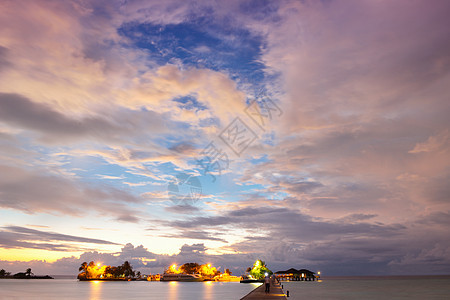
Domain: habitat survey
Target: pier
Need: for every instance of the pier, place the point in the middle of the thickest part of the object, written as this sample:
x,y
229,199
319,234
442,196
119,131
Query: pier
x,y
275,292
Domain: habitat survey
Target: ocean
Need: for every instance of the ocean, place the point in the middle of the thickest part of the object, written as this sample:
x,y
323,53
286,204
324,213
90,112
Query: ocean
x,y
96,290
366,288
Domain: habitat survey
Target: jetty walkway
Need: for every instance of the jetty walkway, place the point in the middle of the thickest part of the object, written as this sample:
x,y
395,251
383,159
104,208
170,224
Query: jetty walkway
x,y
275,292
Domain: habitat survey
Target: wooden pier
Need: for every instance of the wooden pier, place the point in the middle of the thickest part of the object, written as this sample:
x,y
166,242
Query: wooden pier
x,y
259,293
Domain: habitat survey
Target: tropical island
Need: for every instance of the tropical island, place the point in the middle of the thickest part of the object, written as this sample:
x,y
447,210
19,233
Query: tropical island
x,y
22,275
256,273
187,272
95,271
196,272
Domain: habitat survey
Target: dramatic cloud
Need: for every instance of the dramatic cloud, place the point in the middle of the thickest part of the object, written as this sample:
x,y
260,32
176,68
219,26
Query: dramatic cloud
x,y
103,103
195,235
22,237
23,113
290,225
52,194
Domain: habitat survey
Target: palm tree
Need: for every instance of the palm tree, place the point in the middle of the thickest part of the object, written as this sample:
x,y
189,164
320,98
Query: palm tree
x,y
127,269
28,272
3,273
190,268
108,272
84,267
116,271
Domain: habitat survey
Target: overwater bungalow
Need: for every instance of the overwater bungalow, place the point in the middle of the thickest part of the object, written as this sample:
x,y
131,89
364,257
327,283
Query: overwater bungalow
x,y
296,275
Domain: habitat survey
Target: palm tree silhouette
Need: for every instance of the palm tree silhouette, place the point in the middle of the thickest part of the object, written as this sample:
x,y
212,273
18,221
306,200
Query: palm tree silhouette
x,y
127,269
84,267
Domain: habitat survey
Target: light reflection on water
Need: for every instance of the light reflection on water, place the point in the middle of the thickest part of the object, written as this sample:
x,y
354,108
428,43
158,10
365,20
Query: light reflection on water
x,y
72,289
96,290
173,290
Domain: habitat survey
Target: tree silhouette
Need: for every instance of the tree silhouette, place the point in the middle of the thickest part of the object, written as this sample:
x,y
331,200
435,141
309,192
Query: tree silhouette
x,y
190,268
84,267
108,272
91,271
28,272
127,269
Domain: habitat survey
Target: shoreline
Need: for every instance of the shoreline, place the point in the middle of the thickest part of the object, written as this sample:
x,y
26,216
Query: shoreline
x,y
27,278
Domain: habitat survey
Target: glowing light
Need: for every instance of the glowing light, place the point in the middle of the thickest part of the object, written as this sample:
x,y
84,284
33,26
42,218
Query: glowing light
x,y
266,274
99,264
207,270
173,269
318,272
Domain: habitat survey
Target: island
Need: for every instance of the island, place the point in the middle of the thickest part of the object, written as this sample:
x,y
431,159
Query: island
x,y
95,271
256,273
22,275
187,272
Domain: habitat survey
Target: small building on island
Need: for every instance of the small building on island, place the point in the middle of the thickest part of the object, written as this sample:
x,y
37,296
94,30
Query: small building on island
x,y
296,275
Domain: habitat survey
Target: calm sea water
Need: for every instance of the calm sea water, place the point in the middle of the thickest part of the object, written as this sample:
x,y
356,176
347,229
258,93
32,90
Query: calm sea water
x,y
328,288
392,287
93,290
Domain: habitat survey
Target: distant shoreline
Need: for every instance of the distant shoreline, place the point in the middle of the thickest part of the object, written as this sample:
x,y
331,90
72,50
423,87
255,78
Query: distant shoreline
x,y
27,277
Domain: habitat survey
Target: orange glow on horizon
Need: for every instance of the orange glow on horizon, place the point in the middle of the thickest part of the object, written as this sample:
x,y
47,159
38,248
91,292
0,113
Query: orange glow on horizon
x,y
34,254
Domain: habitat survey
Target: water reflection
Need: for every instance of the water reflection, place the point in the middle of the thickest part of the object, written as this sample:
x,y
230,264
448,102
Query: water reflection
x,y
95,290
207,290
91,290
173,287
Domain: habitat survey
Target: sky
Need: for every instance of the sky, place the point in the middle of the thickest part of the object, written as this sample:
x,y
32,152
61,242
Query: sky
x,y
308,134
